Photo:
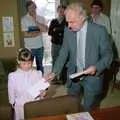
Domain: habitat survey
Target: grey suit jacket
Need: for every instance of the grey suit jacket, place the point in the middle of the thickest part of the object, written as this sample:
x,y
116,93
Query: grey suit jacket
x,y
98,50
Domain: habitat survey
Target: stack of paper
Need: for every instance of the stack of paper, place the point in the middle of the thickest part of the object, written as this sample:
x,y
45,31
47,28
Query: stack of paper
x,y
79,116
74,75
34,91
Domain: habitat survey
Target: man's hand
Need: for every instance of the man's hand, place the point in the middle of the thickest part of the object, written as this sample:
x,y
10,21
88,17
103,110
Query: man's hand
x,y
90,70
35,34
42,27
50,77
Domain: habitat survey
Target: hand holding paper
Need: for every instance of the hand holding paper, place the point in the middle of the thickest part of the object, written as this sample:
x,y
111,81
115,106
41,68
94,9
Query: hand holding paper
x,y
89,71
74,75
34,90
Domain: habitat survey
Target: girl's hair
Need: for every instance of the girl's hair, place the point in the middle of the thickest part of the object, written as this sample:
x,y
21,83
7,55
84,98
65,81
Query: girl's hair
x,y
24,54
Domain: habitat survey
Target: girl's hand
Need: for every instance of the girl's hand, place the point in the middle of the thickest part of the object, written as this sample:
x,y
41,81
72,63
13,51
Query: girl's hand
x,y
43,93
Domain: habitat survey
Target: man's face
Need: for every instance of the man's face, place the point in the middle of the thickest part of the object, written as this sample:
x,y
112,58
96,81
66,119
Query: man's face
x,y
32,9
75,20
60,12
96,9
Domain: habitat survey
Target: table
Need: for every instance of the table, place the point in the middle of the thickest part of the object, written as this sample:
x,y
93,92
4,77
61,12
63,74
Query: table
x,y
112,113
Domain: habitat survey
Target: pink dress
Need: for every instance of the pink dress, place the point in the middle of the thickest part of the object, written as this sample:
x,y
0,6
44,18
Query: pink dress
x,y
18,84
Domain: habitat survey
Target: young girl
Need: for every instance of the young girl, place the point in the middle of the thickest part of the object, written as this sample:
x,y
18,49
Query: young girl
x,y
20,80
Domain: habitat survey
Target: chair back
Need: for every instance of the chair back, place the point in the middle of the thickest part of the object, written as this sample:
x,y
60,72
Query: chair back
x,y
52,106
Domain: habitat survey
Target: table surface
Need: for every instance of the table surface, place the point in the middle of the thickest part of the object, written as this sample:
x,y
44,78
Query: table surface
x,y
112,113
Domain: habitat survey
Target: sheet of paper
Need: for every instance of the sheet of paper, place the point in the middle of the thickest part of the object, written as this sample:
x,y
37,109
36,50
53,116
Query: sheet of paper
x,y
74,75
79,116
34,91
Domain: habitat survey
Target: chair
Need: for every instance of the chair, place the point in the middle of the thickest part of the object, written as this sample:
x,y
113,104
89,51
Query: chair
x,y
52,106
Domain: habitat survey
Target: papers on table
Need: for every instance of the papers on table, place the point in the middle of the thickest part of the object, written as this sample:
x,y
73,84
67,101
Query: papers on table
x,y
34,91
74,75
79,116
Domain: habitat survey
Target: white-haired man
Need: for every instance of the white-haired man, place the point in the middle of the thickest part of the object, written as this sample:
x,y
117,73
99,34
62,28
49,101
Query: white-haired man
x,y
89,52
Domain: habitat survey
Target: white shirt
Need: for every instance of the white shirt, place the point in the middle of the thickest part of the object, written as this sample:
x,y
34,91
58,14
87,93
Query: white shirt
x,y
104,20
83,31
33,42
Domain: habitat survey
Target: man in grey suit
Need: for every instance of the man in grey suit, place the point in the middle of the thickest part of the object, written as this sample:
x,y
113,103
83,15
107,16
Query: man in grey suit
x,y
91,58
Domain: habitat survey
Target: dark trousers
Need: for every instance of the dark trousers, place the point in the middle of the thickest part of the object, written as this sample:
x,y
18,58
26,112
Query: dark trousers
x,y
38,53
92,87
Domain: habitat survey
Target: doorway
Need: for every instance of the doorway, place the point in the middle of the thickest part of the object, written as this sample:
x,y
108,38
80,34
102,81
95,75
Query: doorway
x,y
47,9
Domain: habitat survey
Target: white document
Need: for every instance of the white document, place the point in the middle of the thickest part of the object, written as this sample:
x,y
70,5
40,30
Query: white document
x,y
34,91
79,116
74,75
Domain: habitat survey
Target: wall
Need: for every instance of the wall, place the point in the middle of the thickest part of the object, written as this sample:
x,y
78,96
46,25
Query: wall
x,y
10,8
22,8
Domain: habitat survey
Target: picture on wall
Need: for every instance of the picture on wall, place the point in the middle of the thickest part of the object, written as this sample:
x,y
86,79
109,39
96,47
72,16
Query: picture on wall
x,y
8,31
8,39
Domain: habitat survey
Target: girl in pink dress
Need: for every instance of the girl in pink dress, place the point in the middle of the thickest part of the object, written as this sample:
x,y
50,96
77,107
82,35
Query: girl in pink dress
x,y
20,80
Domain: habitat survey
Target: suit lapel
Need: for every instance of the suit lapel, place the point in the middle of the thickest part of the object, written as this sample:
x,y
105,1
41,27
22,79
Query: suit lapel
x,y
73,46
88,42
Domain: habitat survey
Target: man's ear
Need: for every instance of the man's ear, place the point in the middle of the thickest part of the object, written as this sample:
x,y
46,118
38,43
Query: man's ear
x,y
82,18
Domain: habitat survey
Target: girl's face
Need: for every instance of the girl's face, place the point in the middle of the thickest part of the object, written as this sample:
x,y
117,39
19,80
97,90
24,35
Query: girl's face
x,y
25,65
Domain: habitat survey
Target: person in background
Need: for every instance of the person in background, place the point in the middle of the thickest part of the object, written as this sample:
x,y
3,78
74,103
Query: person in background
x,y
20,80
56,31
33,26
89,52
98,16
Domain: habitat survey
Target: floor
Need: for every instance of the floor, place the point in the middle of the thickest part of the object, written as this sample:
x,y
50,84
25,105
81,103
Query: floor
x,y
112,99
